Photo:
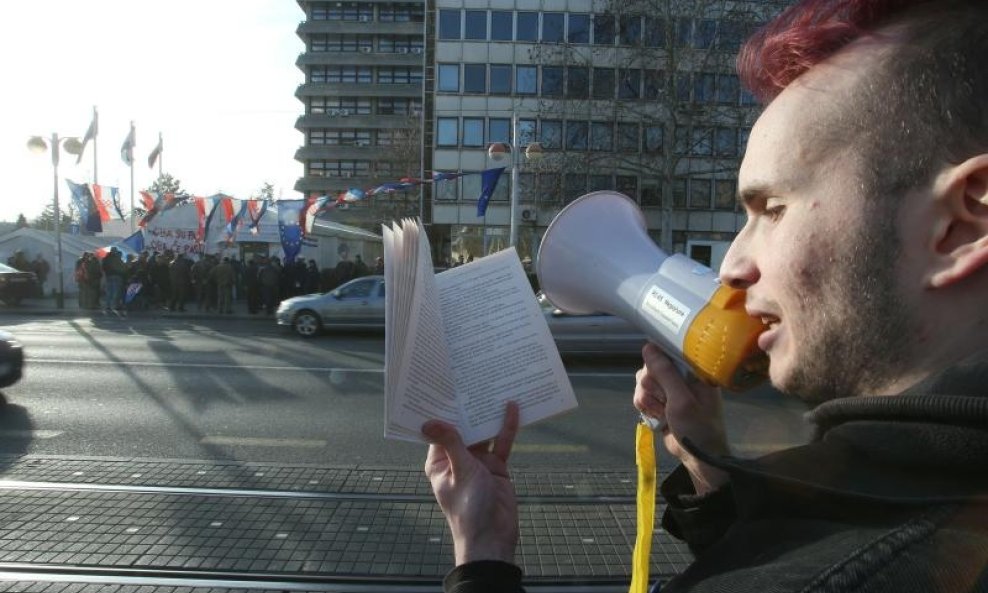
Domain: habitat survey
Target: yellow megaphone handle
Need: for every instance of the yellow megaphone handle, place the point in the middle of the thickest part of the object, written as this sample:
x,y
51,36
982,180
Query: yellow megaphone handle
x,y
647,476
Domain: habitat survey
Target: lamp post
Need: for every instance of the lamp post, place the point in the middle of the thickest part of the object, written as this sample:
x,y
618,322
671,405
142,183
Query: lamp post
x,y
532,152
72,145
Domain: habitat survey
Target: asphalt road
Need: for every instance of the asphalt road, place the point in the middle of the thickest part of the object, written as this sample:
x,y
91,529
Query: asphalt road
x,y
223,389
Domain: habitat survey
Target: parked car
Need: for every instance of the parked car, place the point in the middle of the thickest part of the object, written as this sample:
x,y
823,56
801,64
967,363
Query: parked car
x,y
11,359
357,304
16,285
360,304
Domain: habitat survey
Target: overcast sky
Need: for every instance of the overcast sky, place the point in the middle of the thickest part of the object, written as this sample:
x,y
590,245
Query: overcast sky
x,y
216,78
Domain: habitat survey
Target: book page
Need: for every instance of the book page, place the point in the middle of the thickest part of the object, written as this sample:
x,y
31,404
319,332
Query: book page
x,y
500,346
419,385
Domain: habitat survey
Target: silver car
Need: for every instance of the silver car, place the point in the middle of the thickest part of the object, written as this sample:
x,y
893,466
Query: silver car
x,y
357,304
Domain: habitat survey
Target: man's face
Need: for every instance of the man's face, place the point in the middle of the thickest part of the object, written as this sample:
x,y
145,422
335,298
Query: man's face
x,y
817,256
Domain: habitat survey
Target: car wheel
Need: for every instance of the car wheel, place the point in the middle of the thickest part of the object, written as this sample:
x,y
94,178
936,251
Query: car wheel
x,y
307,323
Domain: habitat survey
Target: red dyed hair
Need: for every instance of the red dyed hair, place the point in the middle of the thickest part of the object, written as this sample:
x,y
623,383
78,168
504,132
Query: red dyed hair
x,y
806,34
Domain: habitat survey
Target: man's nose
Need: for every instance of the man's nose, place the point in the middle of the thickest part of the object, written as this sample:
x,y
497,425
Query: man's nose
x,y
738,269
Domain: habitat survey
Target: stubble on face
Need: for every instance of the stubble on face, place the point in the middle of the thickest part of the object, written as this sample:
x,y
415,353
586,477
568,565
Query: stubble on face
x,y
854,339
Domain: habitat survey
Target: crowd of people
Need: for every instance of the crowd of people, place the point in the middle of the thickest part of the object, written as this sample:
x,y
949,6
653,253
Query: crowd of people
x,y
212,283
39,265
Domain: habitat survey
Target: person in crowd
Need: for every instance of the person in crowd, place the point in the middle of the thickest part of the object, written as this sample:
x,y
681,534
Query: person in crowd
x,y
269,278
161,278
379,265
113,279
40,268
223,277
180,278
312,277
93,280
360,268
865,253
253,286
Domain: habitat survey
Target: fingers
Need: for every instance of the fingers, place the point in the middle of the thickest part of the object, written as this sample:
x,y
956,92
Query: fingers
x,y
506,437
445,440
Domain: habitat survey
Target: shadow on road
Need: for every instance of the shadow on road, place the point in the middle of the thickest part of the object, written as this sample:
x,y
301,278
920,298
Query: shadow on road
x,y
16,432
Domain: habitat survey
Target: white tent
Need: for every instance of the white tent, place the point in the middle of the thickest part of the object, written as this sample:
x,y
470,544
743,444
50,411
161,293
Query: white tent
x,y
34,241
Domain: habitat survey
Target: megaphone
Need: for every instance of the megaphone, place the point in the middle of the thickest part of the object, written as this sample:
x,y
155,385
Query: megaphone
x,y
596,256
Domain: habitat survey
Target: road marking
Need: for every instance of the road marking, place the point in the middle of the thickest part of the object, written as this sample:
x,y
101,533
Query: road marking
x,y
548,448
29,434
261,442
194,365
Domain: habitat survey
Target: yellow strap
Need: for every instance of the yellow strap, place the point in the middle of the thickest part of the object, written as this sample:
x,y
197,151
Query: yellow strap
x,y
645,459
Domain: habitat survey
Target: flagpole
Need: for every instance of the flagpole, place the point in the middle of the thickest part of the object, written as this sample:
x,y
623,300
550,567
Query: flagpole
x,y
95,143
131,164
161,154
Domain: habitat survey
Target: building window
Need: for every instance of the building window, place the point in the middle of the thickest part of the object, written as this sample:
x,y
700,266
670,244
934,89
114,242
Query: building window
x,y
526,80
627,185
473,131
700,194
653,139
399,106
399,44
654,81
551,134
701,141
447,190
651,195
475,78
730,34
600,183
552,81
528,26
704,33
631,30
627,138
400,13
500,79
339,74
631,84
449,78
684,32
603,29
655,32
577,82
575,185
725,142
399,75
502,25
527,131
475,25
550,188
576,135
704,85
743,139
553,27
724,194
603,83
681,140
679,192
579,28
449,24
447,131
499,130
602,136
727,89
683,87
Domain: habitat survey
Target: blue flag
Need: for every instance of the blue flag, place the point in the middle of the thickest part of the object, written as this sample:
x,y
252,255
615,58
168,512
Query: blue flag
x,y
289,228
488,183
134,242
88,213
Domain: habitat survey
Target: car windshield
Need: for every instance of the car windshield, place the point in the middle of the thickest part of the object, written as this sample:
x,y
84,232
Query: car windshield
x,y
184,170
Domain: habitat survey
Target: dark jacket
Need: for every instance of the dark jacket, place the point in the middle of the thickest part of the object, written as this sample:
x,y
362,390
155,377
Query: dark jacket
x,y
891,495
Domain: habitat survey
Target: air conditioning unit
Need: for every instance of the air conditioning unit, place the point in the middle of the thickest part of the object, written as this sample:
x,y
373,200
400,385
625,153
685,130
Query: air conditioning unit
x,y
333,112
364,18
342,112
366,50
401,50
361,143
416,50
346,174
529,214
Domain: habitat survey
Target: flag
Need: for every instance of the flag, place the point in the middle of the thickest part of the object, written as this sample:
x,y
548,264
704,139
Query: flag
x,y
89,217
256,214
289,228
233,223
153,157
488,183
353,195
216,202
440,176
132,245
100,202
91,132
158,204
127,150
321,204
389,188
132,290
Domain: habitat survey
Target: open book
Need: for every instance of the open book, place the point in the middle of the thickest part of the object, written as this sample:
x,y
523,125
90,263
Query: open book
x,y
461,344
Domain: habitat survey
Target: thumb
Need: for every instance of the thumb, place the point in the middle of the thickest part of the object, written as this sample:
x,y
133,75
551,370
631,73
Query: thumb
x,y
444,435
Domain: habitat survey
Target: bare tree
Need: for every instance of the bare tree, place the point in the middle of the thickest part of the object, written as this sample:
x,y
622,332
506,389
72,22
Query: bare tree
x,y
653,100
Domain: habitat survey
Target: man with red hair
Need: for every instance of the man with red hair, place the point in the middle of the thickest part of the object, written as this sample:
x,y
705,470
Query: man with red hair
x,y
865,252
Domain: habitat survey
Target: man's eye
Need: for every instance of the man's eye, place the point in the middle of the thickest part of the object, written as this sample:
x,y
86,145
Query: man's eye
x,y
775,212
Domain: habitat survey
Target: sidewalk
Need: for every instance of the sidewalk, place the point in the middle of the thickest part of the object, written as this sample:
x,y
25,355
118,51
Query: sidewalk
x,y
49,306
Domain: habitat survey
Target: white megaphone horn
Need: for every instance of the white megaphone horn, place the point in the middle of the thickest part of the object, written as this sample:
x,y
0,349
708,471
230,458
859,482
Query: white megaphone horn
x,y
596,256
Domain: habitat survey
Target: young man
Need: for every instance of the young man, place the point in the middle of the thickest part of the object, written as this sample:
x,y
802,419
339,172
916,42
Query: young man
x,y
865,253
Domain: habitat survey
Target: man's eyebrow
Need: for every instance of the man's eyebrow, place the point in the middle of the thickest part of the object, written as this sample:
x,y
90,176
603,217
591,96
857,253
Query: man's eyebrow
x,y
752,193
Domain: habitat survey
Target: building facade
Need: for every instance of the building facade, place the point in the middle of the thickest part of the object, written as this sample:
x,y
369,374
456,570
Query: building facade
x,y
639,97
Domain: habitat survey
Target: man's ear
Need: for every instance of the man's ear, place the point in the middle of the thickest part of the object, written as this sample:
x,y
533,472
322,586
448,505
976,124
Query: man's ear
x,y
960,242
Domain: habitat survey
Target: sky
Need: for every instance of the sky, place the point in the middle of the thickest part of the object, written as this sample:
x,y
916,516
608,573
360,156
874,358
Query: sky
x,y
216,78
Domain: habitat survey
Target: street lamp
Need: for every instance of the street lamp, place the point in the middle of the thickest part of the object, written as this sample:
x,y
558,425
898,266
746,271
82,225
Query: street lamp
x,y
72,145
497,151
